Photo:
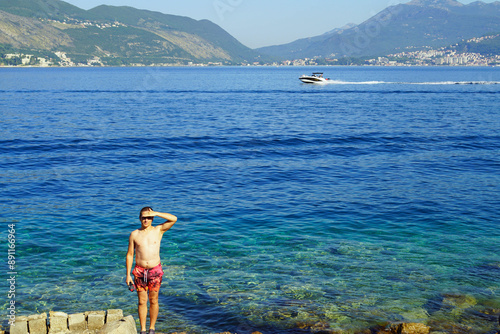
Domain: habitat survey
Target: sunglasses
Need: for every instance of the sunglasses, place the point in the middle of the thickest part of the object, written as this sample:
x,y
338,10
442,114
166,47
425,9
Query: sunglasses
x,y
146,218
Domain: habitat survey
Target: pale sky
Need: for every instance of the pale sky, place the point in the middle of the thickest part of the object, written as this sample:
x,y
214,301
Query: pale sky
x,y
257,23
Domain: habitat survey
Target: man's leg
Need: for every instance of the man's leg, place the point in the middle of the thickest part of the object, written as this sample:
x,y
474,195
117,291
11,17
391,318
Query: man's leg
x,y
143,308
153,308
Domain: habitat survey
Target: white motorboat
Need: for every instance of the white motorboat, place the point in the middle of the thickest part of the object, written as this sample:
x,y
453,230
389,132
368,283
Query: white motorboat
x,y
316,77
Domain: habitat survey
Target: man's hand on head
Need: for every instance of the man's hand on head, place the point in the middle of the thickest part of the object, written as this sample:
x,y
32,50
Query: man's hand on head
x,y
149,213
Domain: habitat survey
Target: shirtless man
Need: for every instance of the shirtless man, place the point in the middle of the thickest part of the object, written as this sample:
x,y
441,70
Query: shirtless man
x,y
147,272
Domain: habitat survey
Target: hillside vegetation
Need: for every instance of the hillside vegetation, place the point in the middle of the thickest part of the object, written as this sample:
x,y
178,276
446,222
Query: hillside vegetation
x,y
488,46
24,32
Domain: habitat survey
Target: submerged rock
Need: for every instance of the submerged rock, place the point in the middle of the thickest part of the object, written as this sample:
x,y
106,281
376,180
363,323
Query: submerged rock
x,y
319,327
402,328
450,302
449,327
459,301
413,328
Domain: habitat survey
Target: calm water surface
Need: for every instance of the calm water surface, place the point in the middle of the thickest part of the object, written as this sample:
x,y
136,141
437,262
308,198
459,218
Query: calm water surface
x,y
370,199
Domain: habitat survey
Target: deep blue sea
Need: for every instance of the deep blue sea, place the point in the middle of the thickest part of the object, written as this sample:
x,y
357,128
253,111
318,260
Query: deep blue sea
x,y
372,199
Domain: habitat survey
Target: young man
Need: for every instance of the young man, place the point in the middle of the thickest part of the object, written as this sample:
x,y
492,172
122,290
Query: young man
x,y
147,272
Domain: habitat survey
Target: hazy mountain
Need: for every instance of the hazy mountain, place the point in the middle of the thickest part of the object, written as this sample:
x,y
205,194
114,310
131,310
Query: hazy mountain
x,y
339,30
123,34
401,27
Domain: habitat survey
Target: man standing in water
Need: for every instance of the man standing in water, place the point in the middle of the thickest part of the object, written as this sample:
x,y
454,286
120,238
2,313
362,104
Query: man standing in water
x,y
147,272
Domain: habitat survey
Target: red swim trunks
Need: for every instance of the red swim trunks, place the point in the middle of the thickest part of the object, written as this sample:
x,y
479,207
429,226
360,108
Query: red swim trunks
x,y
148,278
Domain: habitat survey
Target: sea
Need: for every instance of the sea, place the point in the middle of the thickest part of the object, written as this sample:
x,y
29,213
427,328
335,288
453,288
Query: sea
x,y
370,200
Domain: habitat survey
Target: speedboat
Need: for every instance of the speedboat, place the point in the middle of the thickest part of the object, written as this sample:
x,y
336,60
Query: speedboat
x,y
316,77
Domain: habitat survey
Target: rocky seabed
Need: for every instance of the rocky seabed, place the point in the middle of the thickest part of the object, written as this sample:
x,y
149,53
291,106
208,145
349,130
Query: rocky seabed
x,y
113,322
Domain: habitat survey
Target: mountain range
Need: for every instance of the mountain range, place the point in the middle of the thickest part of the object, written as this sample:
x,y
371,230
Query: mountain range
x,y
121,35
413,25
116,34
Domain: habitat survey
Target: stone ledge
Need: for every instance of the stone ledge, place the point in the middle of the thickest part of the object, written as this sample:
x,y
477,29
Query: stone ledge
x,y
121,326
90,322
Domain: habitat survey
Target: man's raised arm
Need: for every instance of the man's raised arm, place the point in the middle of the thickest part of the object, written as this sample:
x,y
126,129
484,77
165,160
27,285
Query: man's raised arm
x,y
171,219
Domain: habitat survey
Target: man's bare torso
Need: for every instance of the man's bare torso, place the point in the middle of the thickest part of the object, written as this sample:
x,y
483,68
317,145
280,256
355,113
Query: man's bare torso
x,y
147,247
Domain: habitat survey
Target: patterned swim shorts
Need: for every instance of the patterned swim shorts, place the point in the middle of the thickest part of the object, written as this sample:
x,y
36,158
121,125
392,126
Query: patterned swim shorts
x,y
148,279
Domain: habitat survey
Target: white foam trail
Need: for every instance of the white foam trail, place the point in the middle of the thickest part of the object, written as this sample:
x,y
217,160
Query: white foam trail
x,y
457,83
340,82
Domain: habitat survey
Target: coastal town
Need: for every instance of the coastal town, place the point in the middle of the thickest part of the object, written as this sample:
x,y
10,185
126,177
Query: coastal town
x,y
415,58
430,57
442,56
433,57
76,23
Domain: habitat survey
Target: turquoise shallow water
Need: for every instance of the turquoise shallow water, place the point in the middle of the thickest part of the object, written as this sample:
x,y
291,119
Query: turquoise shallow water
x,y
374,198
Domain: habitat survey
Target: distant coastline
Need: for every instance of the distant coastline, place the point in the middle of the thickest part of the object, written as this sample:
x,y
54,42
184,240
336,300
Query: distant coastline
x,y
430,57
267,65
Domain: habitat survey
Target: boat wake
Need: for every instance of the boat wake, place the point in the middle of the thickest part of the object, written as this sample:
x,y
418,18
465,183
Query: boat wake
x,y
458,83
340,82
